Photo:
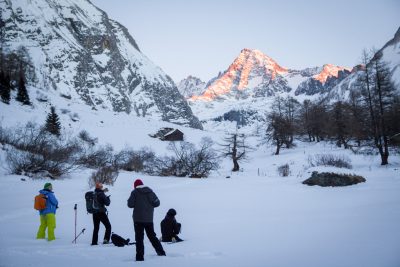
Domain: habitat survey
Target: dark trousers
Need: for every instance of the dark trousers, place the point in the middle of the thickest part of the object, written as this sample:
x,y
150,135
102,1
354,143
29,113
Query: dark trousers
x,y
140,227
103,218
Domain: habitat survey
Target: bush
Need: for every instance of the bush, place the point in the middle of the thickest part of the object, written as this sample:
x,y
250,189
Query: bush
x,y
105,175
34,152
188,160
97,157
284,170
131,160
340,161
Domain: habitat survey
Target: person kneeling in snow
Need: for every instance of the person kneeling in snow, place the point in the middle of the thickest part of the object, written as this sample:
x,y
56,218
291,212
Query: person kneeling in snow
x,y
48,215
170,228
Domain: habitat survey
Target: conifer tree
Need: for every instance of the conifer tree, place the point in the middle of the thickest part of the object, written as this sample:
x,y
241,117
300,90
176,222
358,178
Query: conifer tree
x,y
53,124
4,88
22,95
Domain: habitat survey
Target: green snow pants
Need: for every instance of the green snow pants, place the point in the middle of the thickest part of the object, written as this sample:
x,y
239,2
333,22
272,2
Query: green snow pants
x,y
47,221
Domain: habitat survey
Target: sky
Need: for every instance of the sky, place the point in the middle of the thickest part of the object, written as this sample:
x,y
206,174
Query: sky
x,y
201,38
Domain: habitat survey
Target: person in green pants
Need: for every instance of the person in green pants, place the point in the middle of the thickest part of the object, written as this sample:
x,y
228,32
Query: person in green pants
x,y
48,215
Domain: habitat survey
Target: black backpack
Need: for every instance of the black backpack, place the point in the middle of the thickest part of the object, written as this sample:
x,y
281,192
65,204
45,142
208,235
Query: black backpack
x,y
119,241
92,206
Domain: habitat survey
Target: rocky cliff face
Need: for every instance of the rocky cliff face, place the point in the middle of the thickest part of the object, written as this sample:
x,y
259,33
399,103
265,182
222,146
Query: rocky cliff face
x,y
77,51
191,86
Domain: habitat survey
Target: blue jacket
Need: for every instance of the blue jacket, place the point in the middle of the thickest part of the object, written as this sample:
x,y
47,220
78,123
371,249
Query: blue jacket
x,y
51,202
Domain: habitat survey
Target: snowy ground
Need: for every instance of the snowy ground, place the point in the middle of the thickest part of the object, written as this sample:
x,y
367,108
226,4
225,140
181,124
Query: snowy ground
x,y
254,218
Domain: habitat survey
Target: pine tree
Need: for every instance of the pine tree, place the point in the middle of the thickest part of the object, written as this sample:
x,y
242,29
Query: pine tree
x,y
22,95
4,88
53,124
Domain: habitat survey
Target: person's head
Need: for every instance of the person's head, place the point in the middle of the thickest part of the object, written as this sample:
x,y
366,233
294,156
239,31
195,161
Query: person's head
x,y
171,212
137,183
99,185
48,186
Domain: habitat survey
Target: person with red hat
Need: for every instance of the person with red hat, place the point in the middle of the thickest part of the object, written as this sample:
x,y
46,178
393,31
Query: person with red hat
x,y
143,201
101,214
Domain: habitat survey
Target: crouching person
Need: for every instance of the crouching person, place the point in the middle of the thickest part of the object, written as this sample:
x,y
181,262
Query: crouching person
x,y
48,214
170,228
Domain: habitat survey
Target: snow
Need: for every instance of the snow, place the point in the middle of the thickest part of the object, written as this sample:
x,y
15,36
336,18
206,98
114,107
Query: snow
x,y
254,218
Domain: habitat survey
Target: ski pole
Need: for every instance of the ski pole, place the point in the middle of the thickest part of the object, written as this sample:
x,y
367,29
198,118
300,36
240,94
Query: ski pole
x,y
75,208
82,232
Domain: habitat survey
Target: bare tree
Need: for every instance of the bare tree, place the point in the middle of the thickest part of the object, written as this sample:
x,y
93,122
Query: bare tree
x,y
379,95
235,147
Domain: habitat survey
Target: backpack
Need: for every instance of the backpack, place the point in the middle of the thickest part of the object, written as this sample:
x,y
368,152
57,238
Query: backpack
x,y
120,241
40,202
92,206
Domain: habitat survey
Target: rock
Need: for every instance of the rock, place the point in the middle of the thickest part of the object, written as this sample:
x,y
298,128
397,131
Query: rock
x,y
333,179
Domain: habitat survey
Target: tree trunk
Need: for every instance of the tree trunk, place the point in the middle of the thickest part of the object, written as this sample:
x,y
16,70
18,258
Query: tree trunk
x,y
235,165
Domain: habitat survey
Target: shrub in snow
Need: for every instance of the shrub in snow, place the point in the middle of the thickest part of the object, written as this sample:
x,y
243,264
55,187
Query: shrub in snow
x,y
284,170
333,179
93,157
340,161
105,175
139,161
188,160
35,152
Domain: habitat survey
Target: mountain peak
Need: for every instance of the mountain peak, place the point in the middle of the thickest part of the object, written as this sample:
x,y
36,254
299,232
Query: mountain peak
x,y
249,63
329,70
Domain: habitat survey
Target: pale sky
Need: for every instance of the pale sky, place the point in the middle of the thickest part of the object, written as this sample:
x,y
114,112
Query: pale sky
x,y
201,38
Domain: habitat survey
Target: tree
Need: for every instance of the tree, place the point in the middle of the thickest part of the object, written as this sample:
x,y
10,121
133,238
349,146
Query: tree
x,y
53,124
340,123
379,95
22,95
5,87
234,147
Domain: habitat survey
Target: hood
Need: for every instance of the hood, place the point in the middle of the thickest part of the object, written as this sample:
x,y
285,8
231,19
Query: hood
x,y
45,192
143,189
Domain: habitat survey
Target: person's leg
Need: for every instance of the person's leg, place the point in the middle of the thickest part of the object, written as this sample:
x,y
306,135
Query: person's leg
x,y
51,225
139,235
96,227
41,233
149,227
104,219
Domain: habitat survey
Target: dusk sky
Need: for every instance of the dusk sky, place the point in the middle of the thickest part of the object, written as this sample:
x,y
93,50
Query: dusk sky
x,y
201,38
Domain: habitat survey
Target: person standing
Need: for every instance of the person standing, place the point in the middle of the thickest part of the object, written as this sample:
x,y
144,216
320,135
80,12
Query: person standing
x,y
101,200
143,201
48,215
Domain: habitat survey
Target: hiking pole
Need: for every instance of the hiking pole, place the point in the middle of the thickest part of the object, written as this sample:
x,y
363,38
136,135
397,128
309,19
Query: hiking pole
x,y
76,209
82,232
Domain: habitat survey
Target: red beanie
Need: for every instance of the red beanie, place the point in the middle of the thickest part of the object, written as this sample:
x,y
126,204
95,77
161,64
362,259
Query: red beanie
x,y
137,183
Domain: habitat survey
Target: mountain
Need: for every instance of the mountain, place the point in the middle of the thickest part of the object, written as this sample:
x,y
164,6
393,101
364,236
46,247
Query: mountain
x,y
71,48
243,92
191,86
389,53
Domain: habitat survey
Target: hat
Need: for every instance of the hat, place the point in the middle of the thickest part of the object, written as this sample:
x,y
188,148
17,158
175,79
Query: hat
x,y
137,183
47,186
99,185
171,212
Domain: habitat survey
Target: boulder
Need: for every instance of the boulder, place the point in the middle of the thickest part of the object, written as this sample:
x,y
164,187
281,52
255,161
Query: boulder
x,y
333,179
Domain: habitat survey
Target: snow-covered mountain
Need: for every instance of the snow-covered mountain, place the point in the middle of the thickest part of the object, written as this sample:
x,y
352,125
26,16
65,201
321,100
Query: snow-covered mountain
x,y
389,53
75,50
191,86
244,91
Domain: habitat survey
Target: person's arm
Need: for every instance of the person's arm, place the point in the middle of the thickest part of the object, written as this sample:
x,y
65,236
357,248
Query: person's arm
x,y
131,200
155,202
52,198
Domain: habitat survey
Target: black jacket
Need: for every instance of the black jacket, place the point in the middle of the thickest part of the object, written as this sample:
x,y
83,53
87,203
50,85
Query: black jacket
x,y
102,200
143,201
169,228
